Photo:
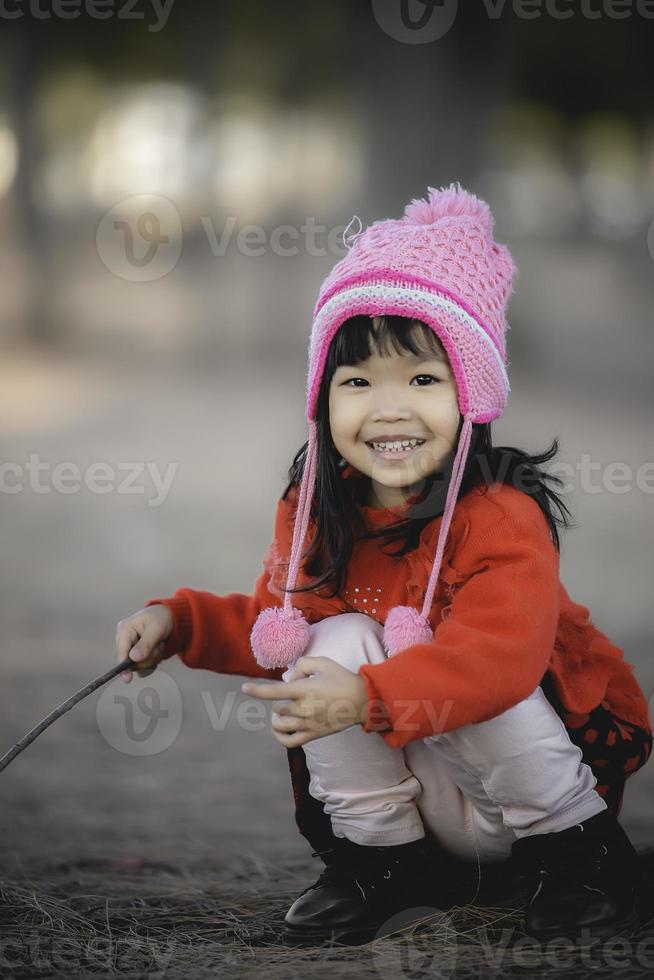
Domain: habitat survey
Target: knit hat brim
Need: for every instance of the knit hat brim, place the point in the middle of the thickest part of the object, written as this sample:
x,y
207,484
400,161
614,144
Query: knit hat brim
x,y
482,381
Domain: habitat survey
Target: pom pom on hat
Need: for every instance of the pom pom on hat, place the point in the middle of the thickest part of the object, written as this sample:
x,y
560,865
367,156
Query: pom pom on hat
x,y
278,638
450,202
405,627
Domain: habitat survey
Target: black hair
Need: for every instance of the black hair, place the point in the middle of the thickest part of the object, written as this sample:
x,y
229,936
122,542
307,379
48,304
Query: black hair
x,y
335,502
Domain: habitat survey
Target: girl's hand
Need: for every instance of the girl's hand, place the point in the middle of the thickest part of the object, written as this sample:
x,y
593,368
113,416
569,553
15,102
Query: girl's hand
x,y
320,698
142,637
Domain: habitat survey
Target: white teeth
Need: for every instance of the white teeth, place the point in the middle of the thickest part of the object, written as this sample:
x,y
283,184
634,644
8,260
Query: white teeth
x,y
397,446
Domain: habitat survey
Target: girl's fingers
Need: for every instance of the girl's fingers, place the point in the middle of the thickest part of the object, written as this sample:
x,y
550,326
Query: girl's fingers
x,y
286,707
145,667
286,723
290,741
126,637
266,690
151,661
306,666
140,639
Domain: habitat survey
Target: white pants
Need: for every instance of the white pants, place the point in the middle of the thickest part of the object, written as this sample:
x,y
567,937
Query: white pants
x,y
476,788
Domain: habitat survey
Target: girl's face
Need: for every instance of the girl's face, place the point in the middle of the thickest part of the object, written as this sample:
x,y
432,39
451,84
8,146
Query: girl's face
x,y
395,397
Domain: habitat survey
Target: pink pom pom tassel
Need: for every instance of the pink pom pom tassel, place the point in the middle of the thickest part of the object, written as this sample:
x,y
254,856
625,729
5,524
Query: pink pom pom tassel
x,y
278,638
405,627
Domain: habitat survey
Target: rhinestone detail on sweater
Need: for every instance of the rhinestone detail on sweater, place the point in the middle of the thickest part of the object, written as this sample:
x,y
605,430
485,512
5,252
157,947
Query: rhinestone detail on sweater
x,y
365,599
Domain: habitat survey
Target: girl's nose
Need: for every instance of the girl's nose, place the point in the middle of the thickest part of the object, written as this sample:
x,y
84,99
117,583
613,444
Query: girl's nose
x,y
388,408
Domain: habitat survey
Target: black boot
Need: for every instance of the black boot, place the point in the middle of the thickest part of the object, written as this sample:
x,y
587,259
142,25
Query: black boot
x,y
361,888
587,879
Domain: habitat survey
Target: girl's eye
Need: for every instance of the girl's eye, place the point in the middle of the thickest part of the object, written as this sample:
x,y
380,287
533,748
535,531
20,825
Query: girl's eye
x,y
431,376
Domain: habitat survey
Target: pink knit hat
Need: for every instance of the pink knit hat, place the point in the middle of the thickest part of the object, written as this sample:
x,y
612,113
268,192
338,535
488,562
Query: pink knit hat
x,y
438,264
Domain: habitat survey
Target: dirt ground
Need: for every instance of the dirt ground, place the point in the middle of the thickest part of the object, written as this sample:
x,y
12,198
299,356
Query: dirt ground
x,y
178,854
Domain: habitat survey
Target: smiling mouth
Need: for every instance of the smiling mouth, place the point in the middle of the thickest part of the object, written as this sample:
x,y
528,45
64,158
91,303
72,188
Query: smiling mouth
x,y
388,451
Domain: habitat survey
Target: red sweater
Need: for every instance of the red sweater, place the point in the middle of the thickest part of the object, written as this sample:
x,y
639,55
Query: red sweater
x,y
501,619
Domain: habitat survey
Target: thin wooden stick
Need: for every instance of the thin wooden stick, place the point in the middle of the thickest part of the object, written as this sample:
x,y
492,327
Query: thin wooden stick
x,y
66,706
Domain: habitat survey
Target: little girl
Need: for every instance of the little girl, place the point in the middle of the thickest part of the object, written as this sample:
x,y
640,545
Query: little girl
x,y
445,705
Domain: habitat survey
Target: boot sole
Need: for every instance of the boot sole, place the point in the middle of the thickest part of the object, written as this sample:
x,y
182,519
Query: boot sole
x,y
353,935
351,938
606,931
342,937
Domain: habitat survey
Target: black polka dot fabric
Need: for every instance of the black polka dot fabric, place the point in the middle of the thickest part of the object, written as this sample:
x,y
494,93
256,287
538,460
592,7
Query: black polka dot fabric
x,y
613,748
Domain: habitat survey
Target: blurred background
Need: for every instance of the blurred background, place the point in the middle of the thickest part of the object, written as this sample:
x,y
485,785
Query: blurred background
x,y
175,181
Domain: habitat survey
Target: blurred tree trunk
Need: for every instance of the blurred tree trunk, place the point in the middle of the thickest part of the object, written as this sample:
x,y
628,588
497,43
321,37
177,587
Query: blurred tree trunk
x,y
202,39
426,106
23,59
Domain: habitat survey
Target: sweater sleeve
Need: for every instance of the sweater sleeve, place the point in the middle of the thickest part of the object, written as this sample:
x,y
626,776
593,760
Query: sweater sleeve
x,y
212,632
489,654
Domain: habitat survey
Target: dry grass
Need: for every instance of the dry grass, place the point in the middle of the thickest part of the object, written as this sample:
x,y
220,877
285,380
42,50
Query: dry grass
x,y
133,918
